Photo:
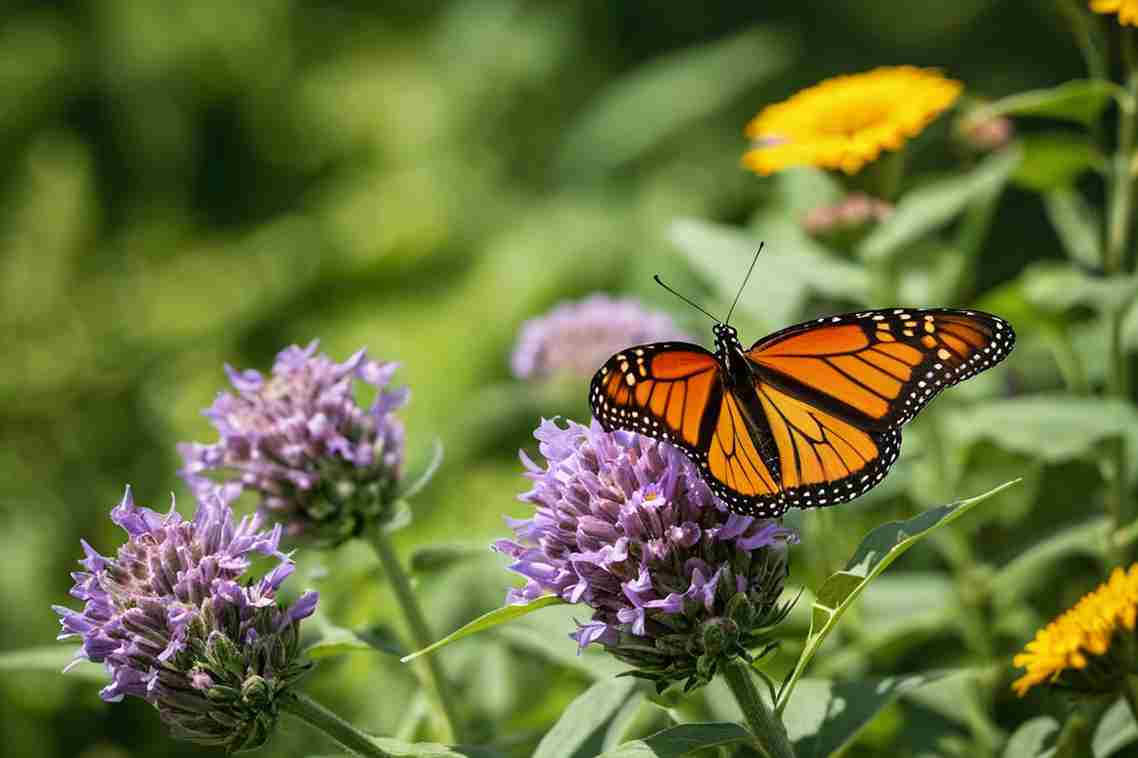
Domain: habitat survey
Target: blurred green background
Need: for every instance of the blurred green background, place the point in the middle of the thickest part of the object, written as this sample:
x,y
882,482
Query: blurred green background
x,y
189,184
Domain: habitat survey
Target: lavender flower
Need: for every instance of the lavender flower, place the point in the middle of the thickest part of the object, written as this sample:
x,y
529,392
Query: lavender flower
x,y
169,619
624,524
319,462
576,338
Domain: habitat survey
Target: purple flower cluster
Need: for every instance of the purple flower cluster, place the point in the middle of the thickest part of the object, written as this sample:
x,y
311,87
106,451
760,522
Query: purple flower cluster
x,y
173,624
625,525
575,338
319,462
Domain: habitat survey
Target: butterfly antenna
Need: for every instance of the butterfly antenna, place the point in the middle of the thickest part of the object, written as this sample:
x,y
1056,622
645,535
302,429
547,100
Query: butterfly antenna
x,y
744,284
681,297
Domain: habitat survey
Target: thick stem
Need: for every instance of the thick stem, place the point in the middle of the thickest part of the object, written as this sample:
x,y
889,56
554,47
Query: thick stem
x,y
770,735
350,738
1114,263
420,632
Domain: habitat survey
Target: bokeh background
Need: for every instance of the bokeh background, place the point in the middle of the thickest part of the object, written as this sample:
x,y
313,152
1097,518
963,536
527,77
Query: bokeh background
x,y
189,184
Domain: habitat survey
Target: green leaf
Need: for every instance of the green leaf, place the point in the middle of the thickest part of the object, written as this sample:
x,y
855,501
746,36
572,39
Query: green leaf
x,y
1077,223
432,558
1081,101
547,634
681,740
1051,427
1028,569
931,206
1057,287
1130,328
487,621
877,551
1116,729
826,716
584,720
424,477
1031,738
401,749
51,659
1055,160
660,98
722,255
336,640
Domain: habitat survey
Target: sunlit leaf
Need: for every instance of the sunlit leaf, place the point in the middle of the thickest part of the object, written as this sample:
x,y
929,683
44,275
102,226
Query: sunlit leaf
x,y
1059,286
664,95
877,551
580,726
931,206
825,716
1055,160
1081,101
487,621
798,265
1052,427
681,740
1116,730
1031,738
51,659
1077,224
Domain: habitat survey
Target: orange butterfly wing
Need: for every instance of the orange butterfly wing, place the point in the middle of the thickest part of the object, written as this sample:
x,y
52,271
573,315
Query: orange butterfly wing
x,y
881,367
836,391
674,392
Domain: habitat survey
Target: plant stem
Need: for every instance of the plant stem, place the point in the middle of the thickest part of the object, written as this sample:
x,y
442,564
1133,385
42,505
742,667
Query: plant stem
x,y
770,735
1130,692
420,632
1114,263
1085,37
349,737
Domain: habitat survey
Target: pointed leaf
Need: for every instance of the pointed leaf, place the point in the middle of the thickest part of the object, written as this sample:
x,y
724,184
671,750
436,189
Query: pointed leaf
x,y
1055,160
336,640
876,552
1081,101
933,205
428,472
487,621
681,740
664,95
1032,738
51,659
825,716
1077,224
584,720
1116,729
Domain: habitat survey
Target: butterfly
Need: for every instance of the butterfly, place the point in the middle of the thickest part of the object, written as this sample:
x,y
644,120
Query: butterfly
x,y
806,417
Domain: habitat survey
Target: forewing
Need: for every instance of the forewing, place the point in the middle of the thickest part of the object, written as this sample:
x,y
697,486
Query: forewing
x,y
879,368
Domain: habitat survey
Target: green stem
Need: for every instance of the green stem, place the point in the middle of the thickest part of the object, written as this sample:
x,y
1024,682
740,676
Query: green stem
x,y
350,738
420,632
1114,261
770,735
1130,692
1085,37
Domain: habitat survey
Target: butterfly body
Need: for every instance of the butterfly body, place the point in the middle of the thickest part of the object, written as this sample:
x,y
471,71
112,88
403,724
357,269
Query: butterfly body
x,y
808,416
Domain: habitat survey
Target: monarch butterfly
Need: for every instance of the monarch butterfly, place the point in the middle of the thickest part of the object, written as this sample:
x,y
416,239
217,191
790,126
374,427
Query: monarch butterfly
x,y
806,417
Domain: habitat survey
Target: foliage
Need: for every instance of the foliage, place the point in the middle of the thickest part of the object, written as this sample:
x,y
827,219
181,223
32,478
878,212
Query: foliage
x,y
206,183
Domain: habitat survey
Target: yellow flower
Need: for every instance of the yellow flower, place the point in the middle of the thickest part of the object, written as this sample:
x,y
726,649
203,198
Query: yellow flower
x,y
845,122
1073,646
1127,10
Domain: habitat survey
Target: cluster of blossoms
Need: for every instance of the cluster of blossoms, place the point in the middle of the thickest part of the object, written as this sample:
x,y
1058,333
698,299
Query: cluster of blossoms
x,y
624,524
574,338
320,463
845,122
173,624
852,213
1090,648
